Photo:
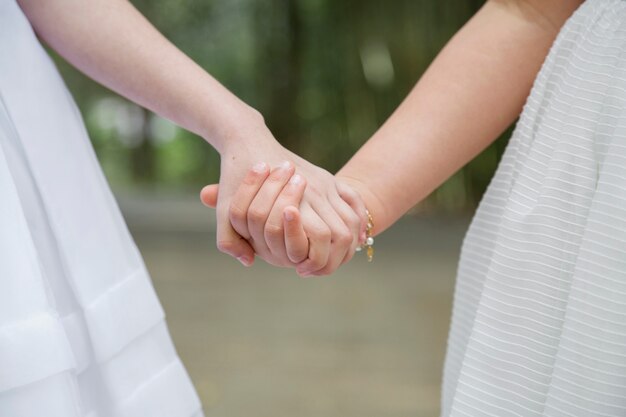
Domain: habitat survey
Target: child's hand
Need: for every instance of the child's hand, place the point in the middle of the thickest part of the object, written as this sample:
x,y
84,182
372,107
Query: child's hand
x,y
264,211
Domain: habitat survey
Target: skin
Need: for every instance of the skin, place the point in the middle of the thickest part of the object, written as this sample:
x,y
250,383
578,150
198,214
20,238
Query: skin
x,y
110,41
273,196
470,94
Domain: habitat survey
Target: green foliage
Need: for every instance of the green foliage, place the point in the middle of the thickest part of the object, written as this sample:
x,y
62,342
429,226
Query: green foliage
x,y
324,73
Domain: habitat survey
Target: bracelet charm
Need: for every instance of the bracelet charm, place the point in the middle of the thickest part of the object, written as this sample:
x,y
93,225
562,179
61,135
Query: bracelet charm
x,y
369,240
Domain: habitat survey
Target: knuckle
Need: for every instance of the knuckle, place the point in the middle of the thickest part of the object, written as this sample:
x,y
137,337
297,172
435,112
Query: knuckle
x,y
354,220
226,246
236,213
297,254
322,272
351,194
316,264
279,175
343,237
289,192
256,215
297,258
273,230
252,178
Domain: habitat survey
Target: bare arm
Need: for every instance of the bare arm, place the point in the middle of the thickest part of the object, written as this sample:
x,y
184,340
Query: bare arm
x,y
470,94
113,43
473,90
110,41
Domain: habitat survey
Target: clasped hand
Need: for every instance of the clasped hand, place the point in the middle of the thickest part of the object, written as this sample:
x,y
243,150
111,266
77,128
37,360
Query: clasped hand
x,y
291,214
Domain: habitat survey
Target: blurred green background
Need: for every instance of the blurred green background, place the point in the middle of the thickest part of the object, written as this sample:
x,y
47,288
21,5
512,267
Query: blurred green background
x,y
324,73
369,340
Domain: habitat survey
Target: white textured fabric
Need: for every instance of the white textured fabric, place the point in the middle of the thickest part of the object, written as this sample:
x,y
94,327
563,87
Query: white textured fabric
x,y
82,333
539,319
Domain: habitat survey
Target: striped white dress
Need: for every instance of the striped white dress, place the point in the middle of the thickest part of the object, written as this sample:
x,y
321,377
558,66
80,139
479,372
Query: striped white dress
x,y
82,333
539,320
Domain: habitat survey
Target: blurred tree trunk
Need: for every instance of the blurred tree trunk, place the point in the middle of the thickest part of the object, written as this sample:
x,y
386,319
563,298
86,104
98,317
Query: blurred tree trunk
x,y
142,157
280,45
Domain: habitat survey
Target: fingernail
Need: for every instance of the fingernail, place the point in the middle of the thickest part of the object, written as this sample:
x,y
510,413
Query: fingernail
x,y
288,215
244,260
296,180
259,167
285,165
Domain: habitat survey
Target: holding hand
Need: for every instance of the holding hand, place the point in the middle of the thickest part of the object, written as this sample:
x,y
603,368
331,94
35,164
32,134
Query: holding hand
x,y
316,238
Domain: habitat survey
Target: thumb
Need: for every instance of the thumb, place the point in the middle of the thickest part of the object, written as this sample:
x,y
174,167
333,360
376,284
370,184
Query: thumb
x,y
208,195
229,242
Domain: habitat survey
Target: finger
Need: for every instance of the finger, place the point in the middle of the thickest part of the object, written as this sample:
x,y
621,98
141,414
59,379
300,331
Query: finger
x,y
263,202
274,232
350,219
319,236
341,239
354,200
296,241
208,195
230,242
240,202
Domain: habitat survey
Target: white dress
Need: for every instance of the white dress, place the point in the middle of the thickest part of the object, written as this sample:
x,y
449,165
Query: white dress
x,y
82,333
539,319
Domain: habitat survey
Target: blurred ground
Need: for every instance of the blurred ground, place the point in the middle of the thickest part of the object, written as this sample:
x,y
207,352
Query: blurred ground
x,y
260,342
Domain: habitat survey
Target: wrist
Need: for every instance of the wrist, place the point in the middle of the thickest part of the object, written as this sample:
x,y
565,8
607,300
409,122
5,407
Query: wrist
x,y
372,202
237,128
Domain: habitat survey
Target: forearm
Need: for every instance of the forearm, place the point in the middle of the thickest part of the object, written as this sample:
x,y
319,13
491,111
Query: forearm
x,y
110,41
471,93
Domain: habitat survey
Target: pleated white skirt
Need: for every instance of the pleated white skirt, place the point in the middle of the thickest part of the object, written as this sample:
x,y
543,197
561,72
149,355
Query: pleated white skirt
x,y
539,319
82,332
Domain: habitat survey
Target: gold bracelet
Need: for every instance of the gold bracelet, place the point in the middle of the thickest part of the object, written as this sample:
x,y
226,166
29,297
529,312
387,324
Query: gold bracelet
x,y
369,238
